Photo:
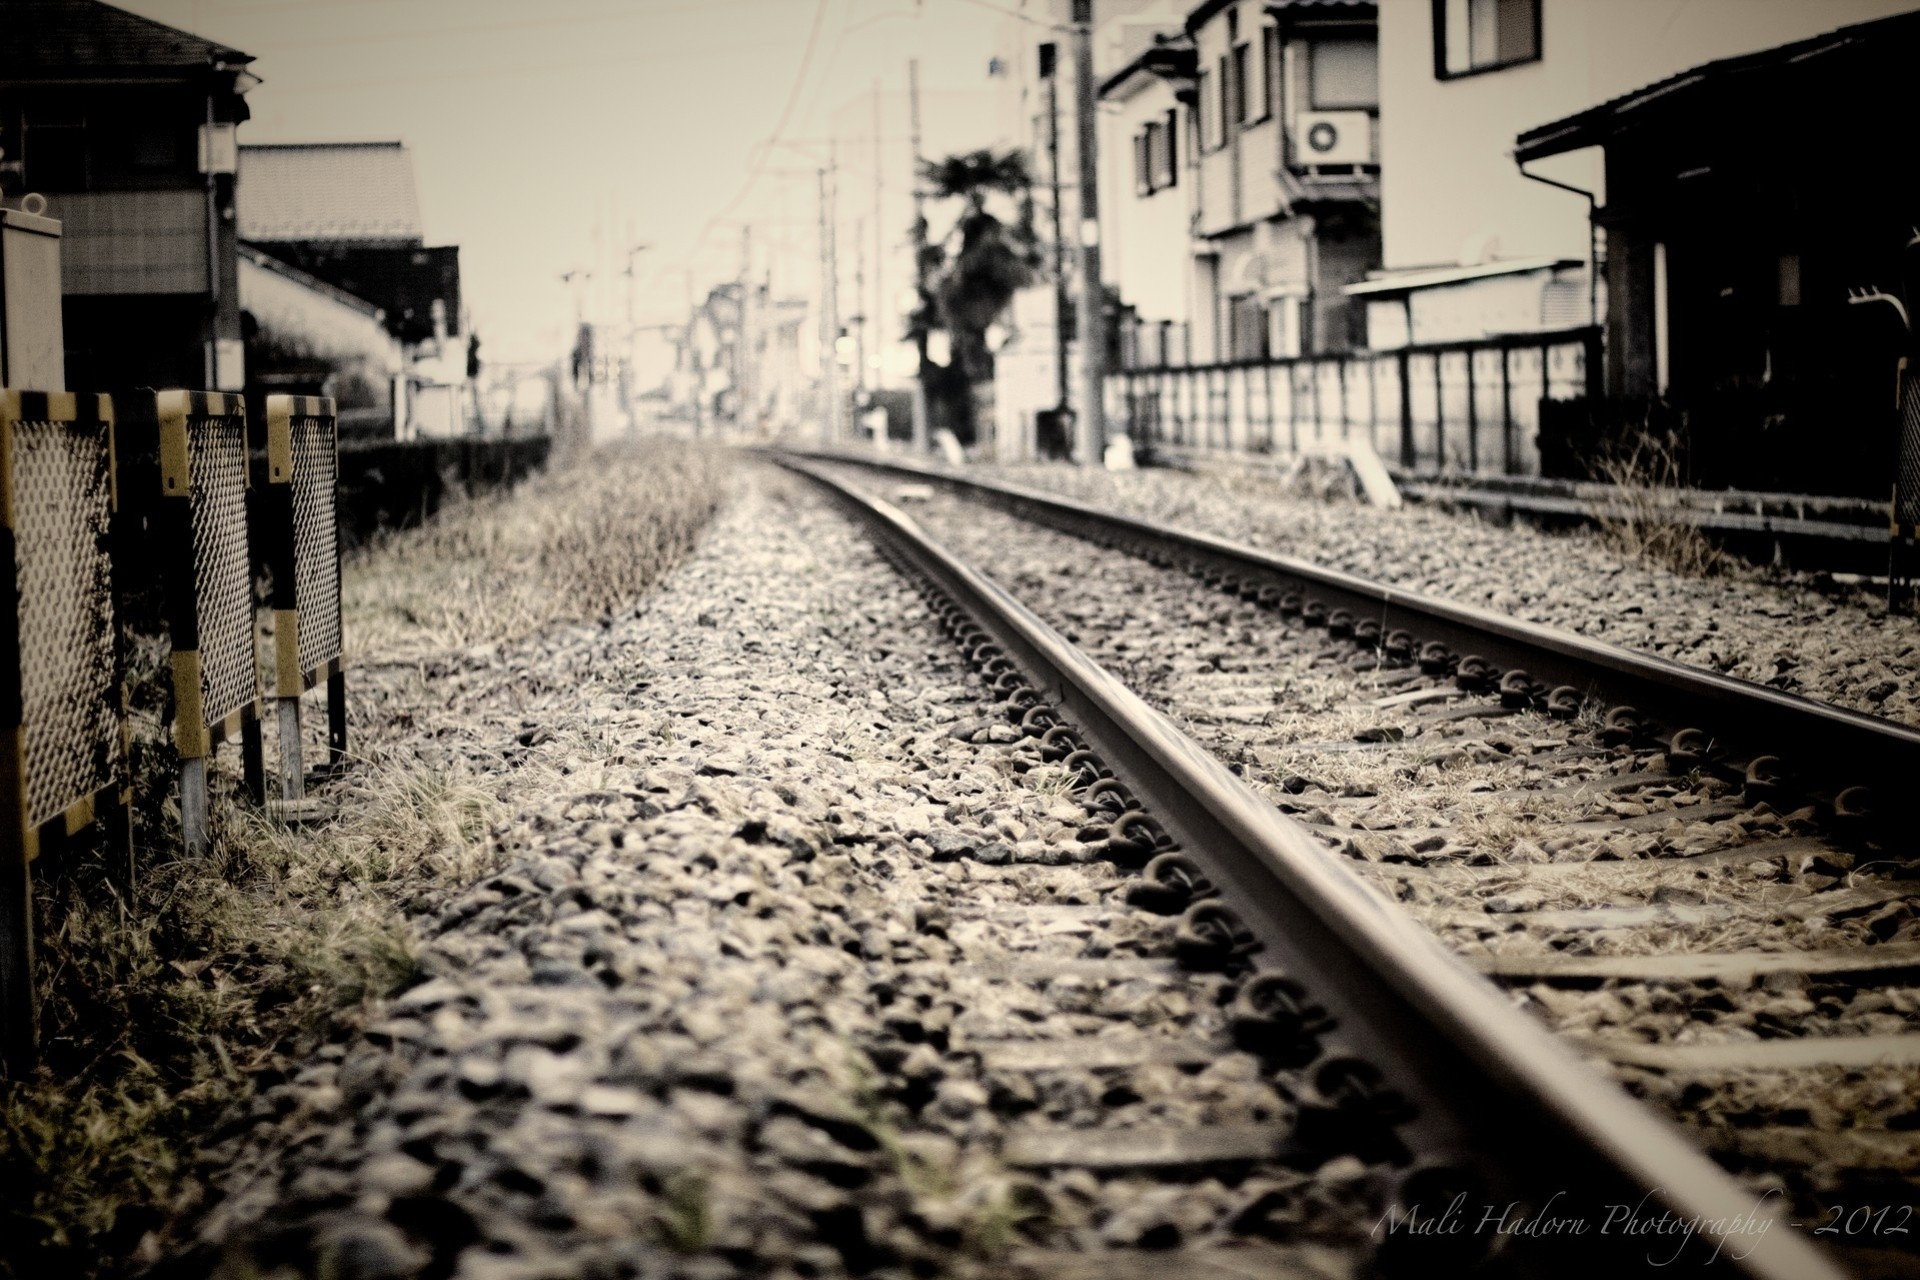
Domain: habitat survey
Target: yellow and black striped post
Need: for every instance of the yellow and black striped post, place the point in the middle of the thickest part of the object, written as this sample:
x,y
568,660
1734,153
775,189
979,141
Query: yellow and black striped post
x,y
201,440
303,551
63,743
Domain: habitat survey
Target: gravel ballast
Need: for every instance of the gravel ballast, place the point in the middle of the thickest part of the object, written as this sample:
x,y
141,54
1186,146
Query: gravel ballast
x,y
721,1010
1780,630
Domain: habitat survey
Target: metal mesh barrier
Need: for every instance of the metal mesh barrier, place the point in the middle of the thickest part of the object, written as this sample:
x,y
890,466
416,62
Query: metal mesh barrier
x,y
1906,510
62,499
316,550
223,585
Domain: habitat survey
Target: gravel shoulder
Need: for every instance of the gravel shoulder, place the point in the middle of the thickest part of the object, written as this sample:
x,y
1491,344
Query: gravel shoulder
x,y
1780,630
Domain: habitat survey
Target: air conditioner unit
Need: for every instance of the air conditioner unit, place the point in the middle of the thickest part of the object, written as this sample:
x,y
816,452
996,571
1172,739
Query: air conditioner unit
x,y
1333,137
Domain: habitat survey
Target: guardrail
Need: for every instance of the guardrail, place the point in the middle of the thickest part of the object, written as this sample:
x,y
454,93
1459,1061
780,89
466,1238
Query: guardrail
x,y
1458,406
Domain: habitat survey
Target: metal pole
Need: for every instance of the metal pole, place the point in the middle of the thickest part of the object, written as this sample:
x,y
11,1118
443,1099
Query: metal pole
x,y
1092,433
293,773
19,1031
836,425
881,338
829,314
746,412
920,431
1064,396
193,805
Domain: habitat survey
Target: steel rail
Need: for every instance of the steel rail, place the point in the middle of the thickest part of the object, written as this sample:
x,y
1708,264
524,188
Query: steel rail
x,y
1827,748
1490,1086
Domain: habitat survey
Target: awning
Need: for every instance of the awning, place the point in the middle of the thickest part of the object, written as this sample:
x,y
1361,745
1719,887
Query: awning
x,y
1433,278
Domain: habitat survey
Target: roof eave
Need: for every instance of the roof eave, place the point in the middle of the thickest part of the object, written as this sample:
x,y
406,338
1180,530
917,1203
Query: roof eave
x,y
1171,62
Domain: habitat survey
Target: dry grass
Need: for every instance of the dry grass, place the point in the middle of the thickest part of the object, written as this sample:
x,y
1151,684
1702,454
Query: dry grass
x,y
161,1018
1643,519
570,545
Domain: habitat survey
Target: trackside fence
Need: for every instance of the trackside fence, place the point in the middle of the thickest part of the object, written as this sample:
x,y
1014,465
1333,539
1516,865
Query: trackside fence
x,y
102,498
1470,407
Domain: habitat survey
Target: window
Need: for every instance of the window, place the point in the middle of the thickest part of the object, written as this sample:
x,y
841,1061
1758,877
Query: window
x,y
1207,105
1153,156
1343,75
1223,112
1163,158
1237,97
1471,36
1270,69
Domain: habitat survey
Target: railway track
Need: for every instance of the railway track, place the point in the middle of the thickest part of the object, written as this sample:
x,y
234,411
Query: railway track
x,y
1398,1055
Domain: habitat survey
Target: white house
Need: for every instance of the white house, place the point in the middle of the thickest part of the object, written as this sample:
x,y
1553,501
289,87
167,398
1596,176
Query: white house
x,y
1472,247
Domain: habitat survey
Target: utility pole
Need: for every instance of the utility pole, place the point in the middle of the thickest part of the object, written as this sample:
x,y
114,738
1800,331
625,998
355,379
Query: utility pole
x,y
920,433
746,393
696,376
1050,72
881,338
1092,433
858,322
829,312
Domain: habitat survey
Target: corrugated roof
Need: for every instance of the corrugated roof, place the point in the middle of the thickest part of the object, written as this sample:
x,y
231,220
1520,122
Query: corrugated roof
x,y
38,37
353,191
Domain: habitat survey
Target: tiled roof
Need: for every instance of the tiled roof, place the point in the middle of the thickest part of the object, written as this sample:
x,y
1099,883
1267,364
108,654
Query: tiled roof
x,y
351,191
1767,75
41,36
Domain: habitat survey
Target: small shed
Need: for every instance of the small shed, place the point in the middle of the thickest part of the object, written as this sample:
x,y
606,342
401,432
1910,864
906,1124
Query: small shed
x,y
1744,198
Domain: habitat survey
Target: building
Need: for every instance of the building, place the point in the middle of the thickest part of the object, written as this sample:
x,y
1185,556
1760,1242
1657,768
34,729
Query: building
x,y
128,127
348,213
1147,199
1737,219
345,216
1472,246
306,337
1285,121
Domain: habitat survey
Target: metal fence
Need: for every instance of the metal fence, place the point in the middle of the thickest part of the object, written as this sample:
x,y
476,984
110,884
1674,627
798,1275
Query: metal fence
x,y
303,554
1461,406
202,525
100,500
63,744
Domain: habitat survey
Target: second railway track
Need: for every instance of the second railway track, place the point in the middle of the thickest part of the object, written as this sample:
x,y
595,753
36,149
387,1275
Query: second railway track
x,y
1729,929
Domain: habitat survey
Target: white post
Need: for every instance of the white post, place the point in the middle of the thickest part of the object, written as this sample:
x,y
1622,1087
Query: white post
x,y
293,773
193,805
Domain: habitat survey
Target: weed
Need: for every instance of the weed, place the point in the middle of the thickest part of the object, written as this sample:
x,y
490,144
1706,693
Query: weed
x,y
1643,517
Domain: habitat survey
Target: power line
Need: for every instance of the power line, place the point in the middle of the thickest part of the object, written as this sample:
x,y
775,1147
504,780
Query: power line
x,y
535,24
1015,13
513,70
759,160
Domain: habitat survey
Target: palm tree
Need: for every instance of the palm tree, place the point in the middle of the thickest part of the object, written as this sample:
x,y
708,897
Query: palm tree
x,y
970,286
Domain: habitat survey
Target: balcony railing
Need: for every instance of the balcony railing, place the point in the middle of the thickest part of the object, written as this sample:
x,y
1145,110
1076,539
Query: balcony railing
x,y
1471,406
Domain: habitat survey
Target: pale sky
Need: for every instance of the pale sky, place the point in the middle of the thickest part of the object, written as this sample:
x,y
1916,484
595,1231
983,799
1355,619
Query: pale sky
x,y
538,128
